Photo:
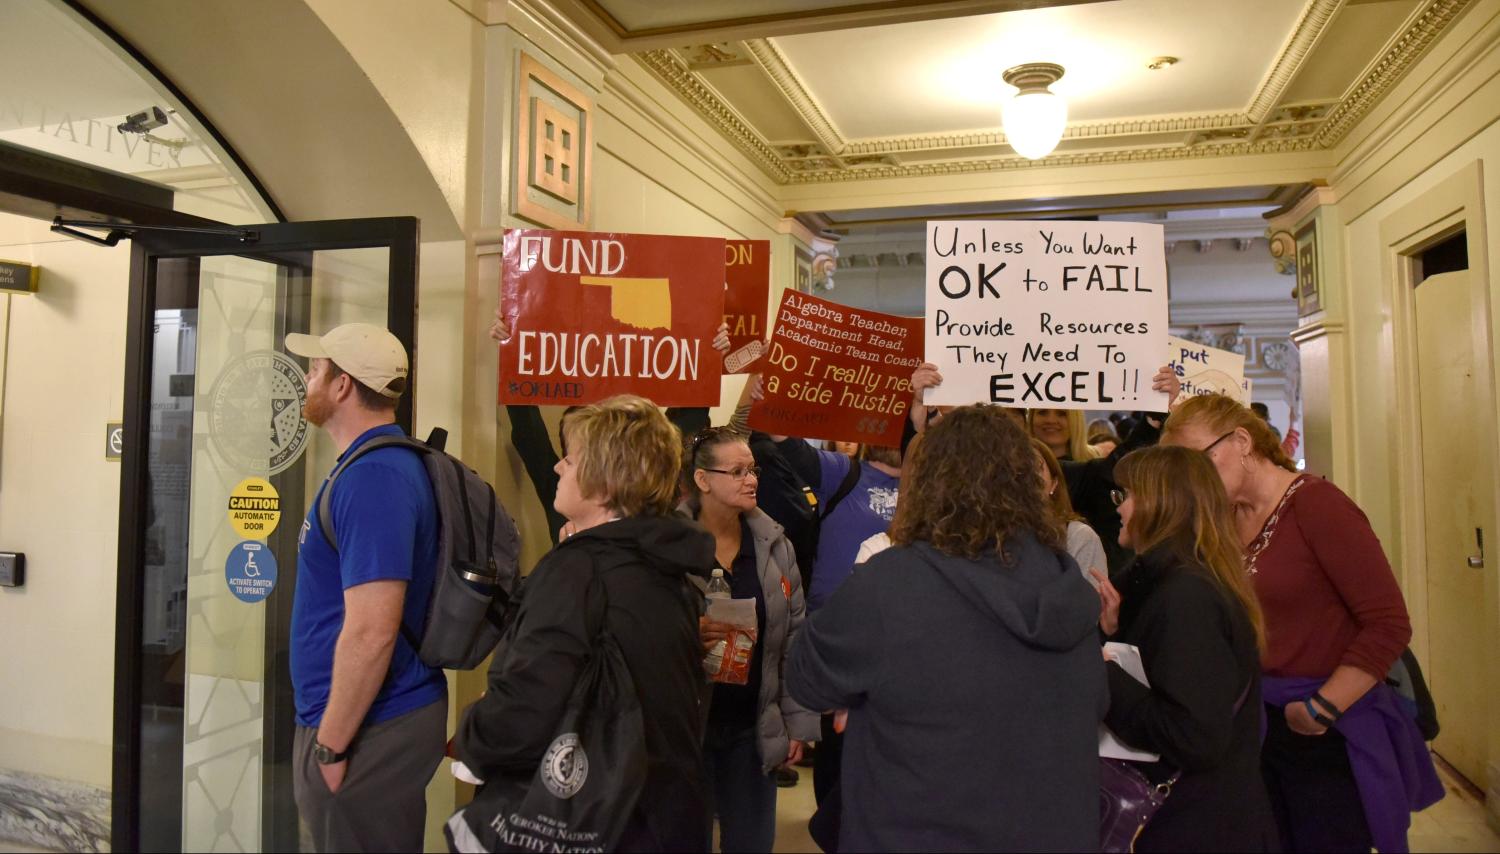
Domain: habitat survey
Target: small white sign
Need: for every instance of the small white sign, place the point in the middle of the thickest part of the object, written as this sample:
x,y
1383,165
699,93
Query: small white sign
x,y
1061,315
1208,370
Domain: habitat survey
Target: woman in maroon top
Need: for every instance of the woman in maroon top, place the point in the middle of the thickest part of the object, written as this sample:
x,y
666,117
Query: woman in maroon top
x,y
1335,617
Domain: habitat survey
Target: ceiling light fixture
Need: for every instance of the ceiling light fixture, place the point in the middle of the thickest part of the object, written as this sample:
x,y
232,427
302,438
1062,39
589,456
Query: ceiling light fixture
x,y
1034,119
1161,62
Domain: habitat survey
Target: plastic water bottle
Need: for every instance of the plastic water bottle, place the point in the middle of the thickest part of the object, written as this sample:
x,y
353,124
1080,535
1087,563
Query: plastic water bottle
x,y
718,588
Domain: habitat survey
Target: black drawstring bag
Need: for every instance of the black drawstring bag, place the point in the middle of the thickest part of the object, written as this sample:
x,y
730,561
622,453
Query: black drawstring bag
x,y
585,788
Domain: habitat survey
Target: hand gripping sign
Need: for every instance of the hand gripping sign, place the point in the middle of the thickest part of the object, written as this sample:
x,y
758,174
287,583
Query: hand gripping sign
x,y
595,315
835,372
747,283
1208,370
1056,315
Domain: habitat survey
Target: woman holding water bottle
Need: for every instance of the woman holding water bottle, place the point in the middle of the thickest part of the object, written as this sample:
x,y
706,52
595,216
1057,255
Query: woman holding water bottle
x,y
753,728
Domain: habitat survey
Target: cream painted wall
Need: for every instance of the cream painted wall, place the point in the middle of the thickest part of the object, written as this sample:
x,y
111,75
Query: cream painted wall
x,y
59,503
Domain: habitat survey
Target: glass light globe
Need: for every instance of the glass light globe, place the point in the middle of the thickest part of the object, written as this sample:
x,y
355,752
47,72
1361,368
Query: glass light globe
x,y
1034,121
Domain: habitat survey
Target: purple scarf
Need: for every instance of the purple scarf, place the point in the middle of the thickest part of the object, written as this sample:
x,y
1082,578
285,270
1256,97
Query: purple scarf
x,y
1392,768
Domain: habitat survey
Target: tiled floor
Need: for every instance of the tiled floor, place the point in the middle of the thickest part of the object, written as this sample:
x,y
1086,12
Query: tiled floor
x,y
1456,823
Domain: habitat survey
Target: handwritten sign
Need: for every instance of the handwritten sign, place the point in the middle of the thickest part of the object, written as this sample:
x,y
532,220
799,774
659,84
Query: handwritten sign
x,y
594,315
837,372
747,284
1208,370
1061,315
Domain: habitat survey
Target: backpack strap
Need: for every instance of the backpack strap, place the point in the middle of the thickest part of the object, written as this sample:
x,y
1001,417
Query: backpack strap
x,y
846,486
325,502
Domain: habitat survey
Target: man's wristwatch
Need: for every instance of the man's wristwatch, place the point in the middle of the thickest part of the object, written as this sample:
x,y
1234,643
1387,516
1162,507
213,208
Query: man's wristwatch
x,y
326,755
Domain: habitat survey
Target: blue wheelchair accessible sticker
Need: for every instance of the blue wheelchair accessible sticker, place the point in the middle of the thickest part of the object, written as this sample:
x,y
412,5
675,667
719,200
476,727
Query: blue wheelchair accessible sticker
x,y
250,571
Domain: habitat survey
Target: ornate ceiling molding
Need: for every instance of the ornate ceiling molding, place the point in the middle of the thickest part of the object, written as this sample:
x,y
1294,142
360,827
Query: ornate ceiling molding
x,y
1265,127
771,60
1419,32
676,75
1315,18
1085,158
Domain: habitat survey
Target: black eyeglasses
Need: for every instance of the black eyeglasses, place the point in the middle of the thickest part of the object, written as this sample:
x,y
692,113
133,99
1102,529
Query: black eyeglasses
x,y
1215,442
738,474
1118,496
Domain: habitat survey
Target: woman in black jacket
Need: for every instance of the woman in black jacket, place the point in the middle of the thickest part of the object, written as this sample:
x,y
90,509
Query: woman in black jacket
x,y
617,486
1187,604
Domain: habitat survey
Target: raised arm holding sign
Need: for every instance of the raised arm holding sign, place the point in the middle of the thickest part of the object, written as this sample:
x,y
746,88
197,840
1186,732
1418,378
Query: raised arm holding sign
x,y
1061,315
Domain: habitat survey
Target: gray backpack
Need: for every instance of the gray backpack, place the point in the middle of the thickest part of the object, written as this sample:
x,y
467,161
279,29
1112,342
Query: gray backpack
x,y
478,556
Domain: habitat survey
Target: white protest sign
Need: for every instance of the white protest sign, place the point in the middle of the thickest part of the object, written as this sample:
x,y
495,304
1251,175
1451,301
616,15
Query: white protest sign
x,y
1208,370
1061,315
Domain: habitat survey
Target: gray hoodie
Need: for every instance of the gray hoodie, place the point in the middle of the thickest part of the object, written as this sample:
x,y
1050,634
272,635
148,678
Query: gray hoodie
x,y
975,690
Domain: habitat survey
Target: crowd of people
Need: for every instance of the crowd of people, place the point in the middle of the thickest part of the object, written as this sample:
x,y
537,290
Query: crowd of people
x,y
931,624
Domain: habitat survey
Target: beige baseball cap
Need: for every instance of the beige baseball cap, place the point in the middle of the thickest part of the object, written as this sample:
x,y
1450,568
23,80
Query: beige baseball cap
x,y
369,353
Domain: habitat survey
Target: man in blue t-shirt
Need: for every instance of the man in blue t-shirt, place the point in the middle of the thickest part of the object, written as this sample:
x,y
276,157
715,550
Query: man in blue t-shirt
x,y
371,717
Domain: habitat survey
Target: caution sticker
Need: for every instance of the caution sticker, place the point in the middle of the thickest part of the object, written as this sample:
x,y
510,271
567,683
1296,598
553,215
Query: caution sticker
x,y
254,508
250,571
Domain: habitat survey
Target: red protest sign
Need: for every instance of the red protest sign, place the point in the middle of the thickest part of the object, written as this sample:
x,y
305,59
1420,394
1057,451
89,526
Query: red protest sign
x,y
835,372
594,315
747,282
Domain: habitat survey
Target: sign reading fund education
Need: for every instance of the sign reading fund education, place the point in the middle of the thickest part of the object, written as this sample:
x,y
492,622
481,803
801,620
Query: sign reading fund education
x,y
1057,315
836,372
747,292
1207,370
594,315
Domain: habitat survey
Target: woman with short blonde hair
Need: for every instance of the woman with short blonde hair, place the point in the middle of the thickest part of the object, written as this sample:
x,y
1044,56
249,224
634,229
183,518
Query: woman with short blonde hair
x,y
1335,624
1185,603
617,487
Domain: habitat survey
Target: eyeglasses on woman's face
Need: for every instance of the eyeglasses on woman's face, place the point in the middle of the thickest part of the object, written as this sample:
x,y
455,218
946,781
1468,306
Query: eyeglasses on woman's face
x,y
1214,443
738,473
1119,496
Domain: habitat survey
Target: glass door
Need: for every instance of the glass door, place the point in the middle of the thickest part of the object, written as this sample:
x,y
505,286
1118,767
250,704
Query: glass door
x,y
217,467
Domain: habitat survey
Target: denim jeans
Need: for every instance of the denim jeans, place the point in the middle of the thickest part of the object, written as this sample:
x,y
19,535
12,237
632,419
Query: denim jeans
x,y
743,799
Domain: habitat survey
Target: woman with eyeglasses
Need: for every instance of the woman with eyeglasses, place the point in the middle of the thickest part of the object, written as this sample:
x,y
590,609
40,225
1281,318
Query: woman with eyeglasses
x,y
756,728
1343,764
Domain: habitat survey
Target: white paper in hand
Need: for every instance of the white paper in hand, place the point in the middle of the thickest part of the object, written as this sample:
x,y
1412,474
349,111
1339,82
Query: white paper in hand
x,y
1129,659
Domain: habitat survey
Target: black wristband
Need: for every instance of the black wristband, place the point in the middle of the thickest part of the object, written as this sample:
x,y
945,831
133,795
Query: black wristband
x,y
1327,705
1318,716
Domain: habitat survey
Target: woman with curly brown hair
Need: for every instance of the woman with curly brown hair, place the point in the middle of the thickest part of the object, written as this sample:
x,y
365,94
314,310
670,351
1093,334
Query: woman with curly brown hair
x,y
968,659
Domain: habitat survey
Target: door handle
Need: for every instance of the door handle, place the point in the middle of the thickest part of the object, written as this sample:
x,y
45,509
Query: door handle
x,y
1476,561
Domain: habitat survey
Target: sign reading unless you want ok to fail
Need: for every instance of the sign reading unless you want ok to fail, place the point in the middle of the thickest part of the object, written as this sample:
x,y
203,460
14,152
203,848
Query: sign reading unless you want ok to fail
x,y
1047,314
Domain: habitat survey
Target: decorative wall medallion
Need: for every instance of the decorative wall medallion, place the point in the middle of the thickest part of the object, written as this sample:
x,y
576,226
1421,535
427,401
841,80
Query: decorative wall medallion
x,y
554,144
1309,297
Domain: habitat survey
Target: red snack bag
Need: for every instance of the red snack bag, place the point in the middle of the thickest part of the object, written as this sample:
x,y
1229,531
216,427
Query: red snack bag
x,y
729,660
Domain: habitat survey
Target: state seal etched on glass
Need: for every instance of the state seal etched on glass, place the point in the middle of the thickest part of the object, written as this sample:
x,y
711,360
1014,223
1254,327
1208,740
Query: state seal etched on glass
x,y
255,412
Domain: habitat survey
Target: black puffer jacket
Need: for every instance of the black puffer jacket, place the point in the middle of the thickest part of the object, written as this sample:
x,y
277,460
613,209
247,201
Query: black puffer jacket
x,y
653,612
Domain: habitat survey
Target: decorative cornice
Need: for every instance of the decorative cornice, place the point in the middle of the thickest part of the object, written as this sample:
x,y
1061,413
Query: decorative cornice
x,y
1265,127
774,64
1415,36
676,75
1088,158
1310,26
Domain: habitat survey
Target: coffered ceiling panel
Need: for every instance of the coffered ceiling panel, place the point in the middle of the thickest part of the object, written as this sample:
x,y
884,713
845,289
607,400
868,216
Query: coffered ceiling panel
x,y
944,76
1353,39
922,97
